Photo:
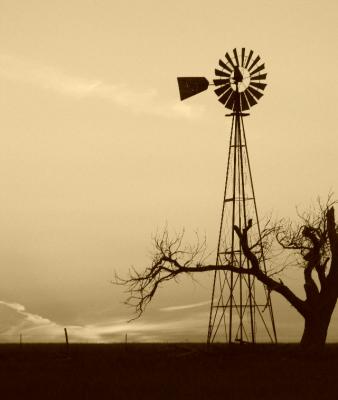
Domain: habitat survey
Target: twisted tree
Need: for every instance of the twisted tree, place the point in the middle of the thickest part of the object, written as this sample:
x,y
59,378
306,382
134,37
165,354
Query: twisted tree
x,y
314,246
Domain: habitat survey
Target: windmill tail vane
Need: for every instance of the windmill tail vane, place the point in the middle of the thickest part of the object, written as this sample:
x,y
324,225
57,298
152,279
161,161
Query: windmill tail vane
x,y
192,85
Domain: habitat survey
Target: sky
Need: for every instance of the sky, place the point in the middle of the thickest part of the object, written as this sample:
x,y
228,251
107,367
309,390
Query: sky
x,y
98,154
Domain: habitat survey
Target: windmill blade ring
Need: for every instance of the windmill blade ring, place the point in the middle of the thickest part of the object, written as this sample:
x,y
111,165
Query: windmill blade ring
x,y
241,76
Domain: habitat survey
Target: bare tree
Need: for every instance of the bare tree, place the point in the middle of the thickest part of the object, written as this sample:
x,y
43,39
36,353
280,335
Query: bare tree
x,y
313,243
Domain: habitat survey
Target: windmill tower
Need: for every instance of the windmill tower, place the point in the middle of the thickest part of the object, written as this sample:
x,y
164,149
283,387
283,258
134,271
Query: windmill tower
x,y
241,308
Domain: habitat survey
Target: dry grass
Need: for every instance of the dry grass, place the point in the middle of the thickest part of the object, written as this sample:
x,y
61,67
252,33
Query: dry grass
x,y
166,371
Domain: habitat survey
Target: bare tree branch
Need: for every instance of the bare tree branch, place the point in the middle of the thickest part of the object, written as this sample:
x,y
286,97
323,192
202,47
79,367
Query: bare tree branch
x,y
169,261
313,243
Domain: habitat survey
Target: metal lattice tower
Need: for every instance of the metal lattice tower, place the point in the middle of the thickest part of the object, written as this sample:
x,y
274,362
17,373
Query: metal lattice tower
x,y
241,308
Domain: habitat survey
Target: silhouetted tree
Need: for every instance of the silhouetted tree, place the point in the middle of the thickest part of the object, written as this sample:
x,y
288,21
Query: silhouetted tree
x,y
313,242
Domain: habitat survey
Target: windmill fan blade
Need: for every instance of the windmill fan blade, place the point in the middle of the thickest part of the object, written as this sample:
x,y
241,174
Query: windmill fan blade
x,y
243,56
218,82
258,77
255,61
250,99
218,72
229,59
244,103
231,101
258,69
223,65
223,99
221,89
254,92
258,85
189,86
249,58
236,56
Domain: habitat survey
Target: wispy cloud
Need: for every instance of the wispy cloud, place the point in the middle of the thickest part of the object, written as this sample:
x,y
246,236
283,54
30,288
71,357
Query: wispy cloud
x,y
58,81
16,320
29,317
185,306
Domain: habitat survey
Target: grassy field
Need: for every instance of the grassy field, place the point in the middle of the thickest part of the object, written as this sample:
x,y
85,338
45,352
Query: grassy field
x,y
166,371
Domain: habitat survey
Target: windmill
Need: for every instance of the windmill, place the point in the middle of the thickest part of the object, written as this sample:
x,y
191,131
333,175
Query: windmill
x,y
241,309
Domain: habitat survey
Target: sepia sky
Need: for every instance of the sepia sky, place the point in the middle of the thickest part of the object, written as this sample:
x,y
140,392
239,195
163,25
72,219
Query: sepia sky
x,y
97,153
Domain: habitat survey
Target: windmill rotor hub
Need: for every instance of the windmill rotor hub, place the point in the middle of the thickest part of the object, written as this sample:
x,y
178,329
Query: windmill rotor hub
x,y
237,74
239,79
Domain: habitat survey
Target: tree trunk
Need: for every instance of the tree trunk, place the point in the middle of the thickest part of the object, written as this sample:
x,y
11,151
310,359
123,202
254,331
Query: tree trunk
x,y
315,331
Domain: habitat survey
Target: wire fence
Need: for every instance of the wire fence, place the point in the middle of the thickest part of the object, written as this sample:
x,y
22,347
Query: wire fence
x,y
22,338
64,337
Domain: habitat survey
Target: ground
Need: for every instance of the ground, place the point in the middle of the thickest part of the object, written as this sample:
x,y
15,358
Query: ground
x,y
166,371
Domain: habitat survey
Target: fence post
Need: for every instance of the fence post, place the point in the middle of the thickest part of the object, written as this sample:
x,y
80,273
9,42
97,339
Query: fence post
x,y
67,343
125,342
